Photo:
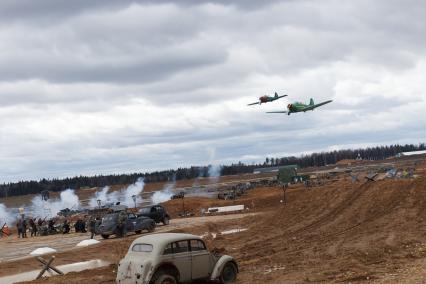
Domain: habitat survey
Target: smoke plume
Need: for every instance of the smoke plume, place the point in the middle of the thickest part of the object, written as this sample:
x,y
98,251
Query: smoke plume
x,y
124,196
6,216
133,190
163,195
105,197
214,173
51,207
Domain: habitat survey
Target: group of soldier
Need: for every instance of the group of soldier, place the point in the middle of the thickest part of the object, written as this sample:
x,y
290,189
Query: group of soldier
x,y
34,226
43,227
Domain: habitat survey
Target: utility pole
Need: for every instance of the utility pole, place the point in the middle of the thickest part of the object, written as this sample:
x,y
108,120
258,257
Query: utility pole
x,y
285,186
134,199
183,206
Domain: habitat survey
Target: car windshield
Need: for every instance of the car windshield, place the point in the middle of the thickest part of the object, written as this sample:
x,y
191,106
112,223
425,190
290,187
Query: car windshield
x,y
110,217
142,248
145,210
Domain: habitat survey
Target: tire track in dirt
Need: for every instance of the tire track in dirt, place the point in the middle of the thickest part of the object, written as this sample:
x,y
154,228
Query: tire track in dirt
x,y
328,218
343,205
335,211
397,200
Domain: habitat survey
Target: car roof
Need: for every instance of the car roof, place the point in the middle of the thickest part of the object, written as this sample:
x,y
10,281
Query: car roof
x,y
163,239
152,205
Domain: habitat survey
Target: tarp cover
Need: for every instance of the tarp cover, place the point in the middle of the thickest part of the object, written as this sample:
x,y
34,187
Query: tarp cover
x,y
41,251
86,243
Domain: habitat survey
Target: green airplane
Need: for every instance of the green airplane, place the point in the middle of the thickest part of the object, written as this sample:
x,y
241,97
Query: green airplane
x,y
299,107
267,99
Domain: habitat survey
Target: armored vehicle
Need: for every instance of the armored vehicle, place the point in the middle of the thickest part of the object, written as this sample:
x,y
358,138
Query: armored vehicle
x,y
156,212
111,224
171,258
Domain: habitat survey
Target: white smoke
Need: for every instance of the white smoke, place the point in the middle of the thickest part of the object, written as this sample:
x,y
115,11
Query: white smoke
x,y
105,197
124,196
163,195
51,207
214,170
133,190
6,216
214,173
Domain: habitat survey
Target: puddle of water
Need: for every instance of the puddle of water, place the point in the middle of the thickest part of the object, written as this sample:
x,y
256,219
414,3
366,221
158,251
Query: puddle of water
x,y
73,267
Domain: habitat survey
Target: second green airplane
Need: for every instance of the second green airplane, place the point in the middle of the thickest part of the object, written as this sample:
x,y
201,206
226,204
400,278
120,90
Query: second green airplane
x,y
301,107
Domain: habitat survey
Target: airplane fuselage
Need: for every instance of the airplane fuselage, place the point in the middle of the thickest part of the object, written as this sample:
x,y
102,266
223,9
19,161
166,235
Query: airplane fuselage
x,y
264,99
296,107
267,99
301,107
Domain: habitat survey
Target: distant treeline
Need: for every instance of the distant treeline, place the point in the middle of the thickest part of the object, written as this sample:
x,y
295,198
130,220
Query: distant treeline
x,y
311,160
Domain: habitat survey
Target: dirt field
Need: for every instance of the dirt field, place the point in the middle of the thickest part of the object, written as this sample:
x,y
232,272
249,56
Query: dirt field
x,y
338,232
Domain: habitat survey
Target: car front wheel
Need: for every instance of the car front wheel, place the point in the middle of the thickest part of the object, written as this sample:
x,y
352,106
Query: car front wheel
x,y
151,227
229,273
165,279
166,220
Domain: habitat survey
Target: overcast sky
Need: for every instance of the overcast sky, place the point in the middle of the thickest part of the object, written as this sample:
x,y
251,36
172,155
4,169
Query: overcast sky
x,y
98,87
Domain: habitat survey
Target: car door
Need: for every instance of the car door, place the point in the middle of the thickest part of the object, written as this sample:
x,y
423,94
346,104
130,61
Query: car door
x,y
131,222
182,260
154,214
201,266
160,213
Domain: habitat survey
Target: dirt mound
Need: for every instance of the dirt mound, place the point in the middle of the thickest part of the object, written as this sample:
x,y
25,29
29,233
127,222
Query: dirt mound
x,y
338,232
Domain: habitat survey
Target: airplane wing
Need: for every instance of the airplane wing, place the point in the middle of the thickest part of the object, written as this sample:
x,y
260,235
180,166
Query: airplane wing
x,y
318,105
279,97
253,104
283,111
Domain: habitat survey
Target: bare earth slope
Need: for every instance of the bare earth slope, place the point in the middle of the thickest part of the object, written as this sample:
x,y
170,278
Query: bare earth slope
x,y
339,232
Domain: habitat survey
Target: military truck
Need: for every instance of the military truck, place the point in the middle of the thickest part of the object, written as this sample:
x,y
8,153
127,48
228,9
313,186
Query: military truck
x,y
111,225
156,212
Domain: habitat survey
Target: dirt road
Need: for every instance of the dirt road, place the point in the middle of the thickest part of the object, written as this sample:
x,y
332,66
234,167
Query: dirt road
x,y
13,248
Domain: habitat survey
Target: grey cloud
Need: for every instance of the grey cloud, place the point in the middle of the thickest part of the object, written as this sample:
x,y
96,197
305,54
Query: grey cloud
x,y
141,69
50,10
121,86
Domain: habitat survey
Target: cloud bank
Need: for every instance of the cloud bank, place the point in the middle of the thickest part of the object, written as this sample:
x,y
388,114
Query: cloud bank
x,y
123,86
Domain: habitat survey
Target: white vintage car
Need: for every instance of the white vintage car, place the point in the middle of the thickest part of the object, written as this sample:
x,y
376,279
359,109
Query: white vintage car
x,y
171,258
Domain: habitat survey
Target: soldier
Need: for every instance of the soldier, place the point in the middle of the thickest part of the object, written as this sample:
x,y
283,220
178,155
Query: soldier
x,y
51,226
33,228
77,226
19,227
66,227
92,226
24,228
122,222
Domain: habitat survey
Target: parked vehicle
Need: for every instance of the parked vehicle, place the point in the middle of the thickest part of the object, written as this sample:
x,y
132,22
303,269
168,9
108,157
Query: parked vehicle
x,y
171,258
110,224
156,212
179,195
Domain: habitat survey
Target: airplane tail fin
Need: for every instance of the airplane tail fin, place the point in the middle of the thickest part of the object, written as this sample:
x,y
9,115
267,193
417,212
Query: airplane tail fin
x,y
311,102
276,95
